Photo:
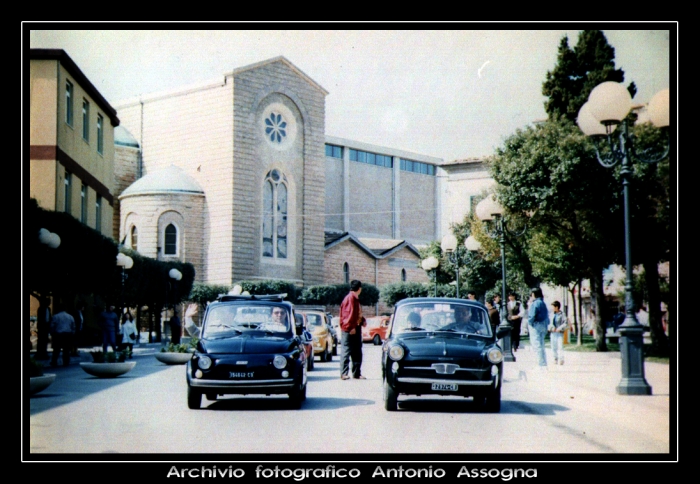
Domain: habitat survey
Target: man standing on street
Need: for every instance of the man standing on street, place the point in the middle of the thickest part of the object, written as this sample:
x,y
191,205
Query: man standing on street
x,y
537,321
351,322
516,312
109,323
62,330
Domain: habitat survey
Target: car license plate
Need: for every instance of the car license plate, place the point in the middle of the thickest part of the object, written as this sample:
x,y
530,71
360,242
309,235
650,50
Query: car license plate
x,y
445,386
246,374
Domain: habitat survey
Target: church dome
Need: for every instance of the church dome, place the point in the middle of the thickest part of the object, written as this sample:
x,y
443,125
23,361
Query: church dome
x,y
170,180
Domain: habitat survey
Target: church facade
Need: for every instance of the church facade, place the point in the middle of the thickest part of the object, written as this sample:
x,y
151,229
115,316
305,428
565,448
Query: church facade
x,y
238,177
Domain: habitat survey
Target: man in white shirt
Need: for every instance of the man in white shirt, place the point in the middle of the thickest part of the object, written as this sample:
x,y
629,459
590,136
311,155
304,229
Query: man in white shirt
x,y
516,313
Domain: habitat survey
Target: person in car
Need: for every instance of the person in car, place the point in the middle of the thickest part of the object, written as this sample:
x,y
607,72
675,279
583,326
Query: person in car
x,y
466,322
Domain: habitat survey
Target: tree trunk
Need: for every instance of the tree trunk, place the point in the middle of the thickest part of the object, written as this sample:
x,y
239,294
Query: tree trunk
x,y
659,340
579,335
597,297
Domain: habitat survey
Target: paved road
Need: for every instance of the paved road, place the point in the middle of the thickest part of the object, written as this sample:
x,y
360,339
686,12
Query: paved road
x,y
572,409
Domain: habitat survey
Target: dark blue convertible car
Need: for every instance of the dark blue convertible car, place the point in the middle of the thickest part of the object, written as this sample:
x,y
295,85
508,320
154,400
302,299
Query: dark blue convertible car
x,y
442,346
248,345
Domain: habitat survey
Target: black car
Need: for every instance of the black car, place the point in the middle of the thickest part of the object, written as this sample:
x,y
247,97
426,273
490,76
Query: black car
x,y
442,346
248,345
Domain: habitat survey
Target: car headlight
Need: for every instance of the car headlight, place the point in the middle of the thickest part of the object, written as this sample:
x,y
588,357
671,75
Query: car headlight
x,y
494,355
204,362
279,361
396,352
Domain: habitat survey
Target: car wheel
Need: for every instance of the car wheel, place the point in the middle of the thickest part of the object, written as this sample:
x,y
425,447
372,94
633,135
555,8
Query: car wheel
x,y
335,349
329,355
297,397
211,397
194,398
310,363
493,401
377,340
323,356
390,398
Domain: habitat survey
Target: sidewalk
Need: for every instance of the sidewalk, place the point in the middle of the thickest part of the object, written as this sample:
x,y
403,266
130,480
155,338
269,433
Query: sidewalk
x,y
141,349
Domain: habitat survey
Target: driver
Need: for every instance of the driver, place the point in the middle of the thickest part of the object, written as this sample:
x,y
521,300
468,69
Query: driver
x,y
466,322
279,318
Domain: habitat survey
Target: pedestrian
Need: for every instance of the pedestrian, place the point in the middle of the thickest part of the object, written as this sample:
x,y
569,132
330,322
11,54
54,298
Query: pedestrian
x,y
351,322
497,302
619,318
175,328
493,316
556,329
471,295
109,323
79,325
537,321
43,328
62,329
516,313
128,332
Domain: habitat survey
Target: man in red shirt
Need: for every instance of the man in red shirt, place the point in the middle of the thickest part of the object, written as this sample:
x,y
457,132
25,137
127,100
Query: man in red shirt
x,y
351,321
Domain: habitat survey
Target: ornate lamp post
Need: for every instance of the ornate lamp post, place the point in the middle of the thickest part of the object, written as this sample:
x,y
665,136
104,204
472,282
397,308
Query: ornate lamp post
x,y
454,254
174,276
490,210
607,106
125,262
430,265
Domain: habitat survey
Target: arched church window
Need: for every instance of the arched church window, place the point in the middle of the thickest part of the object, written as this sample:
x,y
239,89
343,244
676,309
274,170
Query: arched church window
x,y
403,275
170,240
134,243
346,273
275,203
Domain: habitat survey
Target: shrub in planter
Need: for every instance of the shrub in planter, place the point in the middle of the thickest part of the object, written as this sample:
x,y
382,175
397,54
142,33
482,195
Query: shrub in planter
x,y
98,356
35,368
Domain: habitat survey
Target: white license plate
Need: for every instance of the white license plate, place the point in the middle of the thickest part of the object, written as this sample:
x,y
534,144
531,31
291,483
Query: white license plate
x,y
445,386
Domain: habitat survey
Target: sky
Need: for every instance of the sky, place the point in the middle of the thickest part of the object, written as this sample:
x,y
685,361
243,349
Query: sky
x,y
450,94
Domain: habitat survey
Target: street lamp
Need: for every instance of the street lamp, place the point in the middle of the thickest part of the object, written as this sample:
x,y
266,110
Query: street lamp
x,y
430,264
51,241
490,210
454,255
607,106
125,262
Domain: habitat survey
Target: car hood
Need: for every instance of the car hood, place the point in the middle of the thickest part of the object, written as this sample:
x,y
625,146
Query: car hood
x,y
445,345
247,344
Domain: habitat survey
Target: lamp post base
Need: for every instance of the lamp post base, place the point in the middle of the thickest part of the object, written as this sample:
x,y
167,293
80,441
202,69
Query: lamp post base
x,y
507,346
632,354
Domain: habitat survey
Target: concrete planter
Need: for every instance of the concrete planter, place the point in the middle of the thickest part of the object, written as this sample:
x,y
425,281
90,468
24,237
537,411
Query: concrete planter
x,y
39,383
173,358
107,370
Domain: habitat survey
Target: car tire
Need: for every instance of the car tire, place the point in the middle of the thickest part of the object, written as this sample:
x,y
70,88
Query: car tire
x,y
323,356
390,398
329,355
194,398
297,397
211,397
310,363
492,403
377,340
335,349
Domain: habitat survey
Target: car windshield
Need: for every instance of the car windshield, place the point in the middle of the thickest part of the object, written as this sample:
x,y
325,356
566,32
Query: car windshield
x,y
230,320
314,320
448,317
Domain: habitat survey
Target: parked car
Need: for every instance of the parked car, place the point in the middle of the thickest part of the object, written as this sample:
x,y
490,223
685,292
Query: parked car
x,y
335,323
376,329
459,357
248,345
321,331
307,339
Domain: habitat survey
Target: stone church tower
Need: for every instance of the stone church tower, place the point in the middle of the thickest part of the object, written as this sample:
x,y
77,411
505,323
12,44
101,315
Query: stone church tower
x,y
232,175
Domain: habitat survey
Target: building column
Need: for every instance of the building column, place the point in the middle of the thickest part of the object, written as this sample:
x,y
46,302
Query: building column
x,y
346,189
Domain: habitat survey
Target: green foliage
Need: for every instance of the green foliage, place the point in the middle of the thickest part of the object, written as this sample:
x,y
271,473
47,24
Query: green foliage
x,y
175,348
395,292
270,286
333,294
98,356
35,368
203,293
577,72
